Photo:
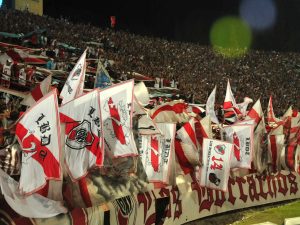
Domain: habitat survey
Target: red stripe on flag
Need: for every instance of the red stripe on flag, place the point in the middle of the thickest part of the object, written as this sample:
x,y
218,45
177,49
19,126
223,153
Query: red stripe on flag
x,y
254,115
37,93
176,108
290,152
183,161
49,163
190,131
227,105
273,151
78,216
84,192
200,132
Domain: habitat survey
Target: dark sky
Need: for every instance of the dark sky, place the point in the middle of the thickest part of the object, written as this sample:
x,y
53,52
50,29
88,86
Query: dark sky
x,y
182,20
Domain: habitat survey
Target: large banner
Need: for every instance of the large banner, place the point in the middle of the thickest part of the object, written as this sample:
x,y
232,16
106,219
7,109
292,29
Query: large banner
x,y
179,204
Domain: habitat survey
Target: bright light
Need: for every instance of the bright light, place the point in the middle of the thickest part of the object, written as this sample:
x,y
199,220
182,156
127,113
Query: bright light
x,y
259,14
1,1
230,36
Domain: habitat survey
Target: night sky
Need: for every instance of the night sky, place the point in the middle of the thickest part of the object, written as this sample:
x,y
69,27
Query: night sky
x,y
185,20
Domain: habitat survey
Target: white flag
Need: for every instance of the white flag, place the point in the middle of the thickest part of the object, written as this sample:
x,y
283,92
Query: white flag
x,y
216,164
116,104
156,152
74,84
33,206
210,106
84,144
241,136
38,133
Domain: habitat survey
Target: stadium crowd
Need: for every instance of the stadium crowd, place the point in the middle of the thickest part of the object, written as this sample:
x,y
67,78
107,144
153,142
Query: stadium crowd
x,y
196,68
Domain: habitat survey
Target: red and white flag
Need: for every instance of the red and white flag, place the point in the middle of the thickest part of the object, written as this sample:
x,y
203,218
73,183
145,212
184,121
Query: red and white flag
x,y
74,84
216,164
241,136
116,104
271,119
203,129
33,206
170,112
38,92
255,112
231,109
210,106
38,133
84,143
275,147
187,147
289,156
156,152
288,113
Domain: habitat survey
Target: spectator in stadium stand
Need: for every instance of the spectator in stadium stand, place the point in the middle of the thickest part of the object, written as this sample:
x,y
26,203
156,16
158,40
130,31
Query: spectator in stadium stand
x,y
112,21
196,68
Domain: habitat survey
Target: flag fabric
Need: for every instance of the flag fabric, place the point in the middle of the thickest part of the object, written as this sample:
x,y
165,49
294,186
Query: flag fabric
x,y
288,113
271,119
10,158
75,81
103,80
156,152
33,206
231,109
187,148
203,129
116,108
84,143
38,133
194,110
241,136
141,94
255,112
38,92
216,164
146,126
244,105
210,106
261,155
289,156
170,112
275,147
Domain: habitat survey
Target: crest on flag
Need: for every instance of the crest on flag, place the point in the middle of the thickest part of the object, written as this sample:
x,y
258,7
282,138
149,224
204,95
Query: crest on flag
x,y
216,164
38,133
84,145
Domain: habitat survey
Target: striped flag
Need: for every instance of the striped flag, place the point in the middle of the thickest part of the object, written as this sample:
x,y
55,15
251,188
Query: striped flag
x,y
84,144
38,133
231,109
170,112
255,112
187,148
275,147
38,92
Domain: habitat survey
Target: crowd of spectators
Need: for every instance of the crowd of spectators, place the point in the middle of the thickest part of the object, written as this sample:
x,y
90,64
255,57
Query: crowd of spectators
x,y
197,69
